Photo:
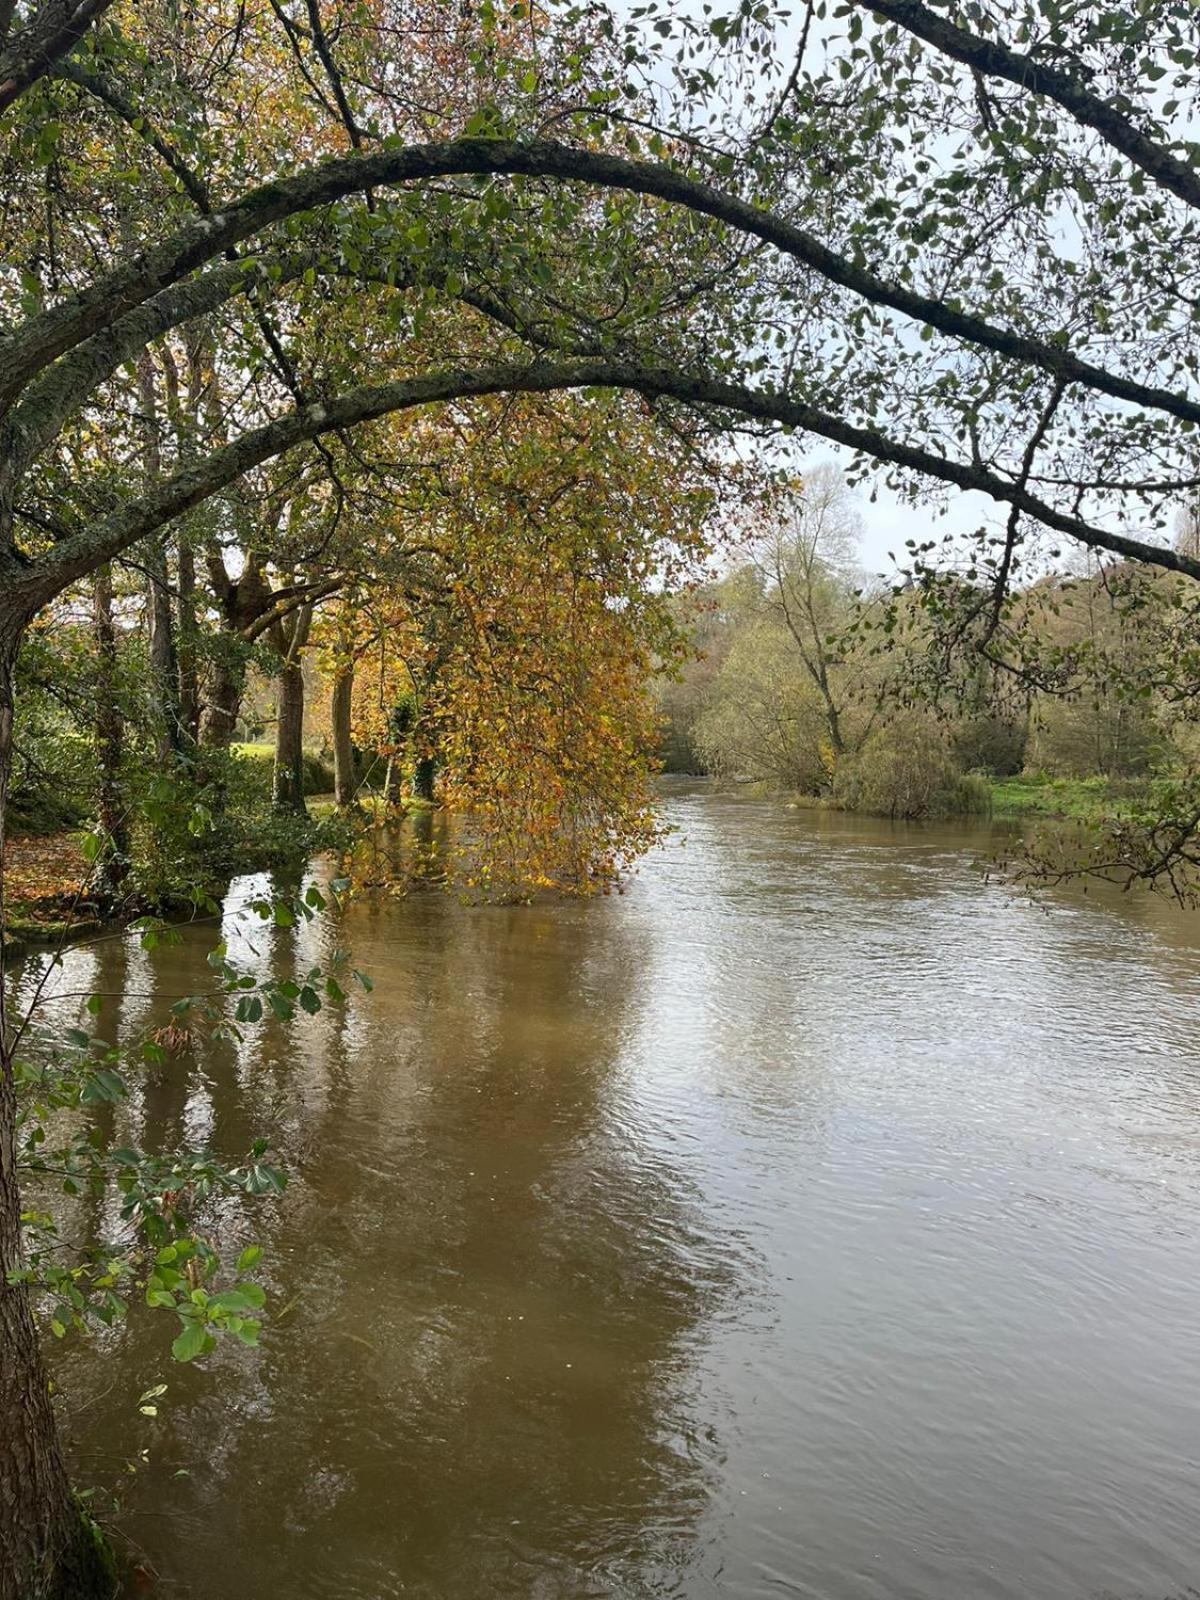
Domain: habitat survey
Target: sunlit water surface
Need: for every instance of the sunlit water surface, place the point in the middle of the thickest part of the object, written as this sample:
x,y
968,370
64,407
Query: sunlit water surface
x,y
816,1218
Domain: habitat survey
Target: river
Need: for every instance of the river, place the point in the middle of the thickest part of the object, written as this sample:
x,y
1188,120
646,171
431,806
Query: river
x,y
816,1218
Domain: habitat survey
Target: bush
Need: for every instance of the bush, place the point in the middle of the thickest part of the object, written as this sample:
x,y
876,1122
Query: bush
x,y
54,764
906,769
991,743
197,826
764,720
38,810
1104,733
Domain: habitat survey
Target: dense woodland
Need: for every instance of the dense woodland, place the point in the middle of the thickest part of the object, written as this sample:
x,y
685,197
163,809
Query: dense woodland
x,y
443,355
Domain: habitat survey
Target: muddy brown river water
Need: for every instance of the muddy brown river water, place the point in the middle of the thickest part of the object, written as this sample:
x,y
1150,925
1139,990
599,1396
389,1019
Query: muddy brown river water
x,y
814,1219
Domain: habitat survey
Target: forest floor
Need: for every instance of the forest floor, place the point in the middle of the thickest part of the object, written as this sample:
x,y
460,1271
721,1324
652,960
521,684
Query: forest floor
x,y
45,888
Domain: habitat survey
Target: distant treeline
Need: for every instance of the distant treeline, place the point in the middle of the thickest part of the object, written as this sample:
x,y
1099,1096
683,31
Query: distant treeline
x,y
905,700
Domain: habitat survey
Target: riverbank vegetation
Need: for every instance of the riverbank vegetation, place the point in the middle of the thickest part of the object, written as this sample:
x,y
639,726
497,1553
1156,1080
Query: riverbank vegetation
x,y
421,357
813,678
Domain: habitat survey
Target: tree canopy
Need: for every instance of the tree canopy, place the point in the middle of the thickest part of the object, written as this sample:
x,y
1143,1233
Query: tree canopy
x,y
921,248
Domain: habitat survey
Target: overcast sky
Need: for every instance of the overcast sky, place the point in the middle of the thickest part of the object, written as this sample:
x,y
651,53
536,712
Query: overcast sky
x,y
888,521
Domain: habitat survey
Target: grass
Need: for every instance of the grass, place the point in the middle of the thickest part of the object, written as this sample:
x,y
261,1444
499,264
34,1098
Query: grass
x,y
1033,794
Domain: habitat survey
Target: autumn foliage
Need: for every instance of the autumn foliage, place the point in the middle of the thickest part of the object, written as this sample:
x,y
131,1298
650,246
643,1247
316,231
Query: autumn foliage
x,y
514,644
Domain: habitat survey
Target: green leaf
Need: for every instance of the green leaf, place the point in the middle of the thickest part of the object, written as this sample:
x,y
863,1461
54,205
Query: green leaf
x,y
246,1297
249,1257
102,1088
195,1340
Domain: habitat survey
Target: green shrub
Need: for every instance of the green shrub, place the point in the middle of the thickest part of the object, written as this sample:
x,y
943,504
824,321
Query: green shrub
x,y
1118,737
991,743
36,809
54,764
198,825
906,769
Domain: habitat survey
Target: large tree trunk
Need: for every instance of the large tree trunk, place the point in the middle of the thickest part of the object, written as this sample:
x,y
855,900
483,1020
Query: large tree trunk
x,y
47,1552
343,744
164,677
227,684
289,726
242,602
289,739
164,667
110,738
393,780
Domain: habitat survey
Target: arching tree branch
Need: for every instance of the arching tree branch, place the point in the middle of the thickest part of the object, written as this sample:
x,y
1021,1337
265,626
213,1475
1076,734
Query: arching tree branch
x,y
55,29
48,336
34,584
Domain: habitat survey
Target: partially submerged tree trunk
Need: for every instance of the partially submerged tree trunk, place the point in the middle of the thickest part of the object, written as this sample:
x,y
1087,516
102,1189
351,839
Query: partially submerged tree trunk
x,y
343,743
290,638
47,1550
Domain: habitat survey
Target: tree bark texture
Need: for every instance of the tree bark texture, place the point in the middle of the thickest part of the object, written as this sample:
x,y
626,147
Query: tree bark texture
x,y
343,744
110,737
289,728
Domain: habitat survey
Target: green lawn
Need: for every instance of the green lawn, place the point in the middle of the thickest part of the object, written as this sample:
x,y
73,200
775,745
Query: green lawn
x,y
1084,799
